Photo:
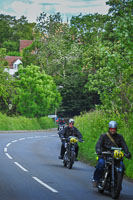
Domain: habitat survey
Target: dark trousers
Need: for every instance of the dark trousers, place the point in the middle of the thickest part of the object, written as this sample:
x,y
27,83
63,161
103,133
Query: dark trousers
x,y
100,168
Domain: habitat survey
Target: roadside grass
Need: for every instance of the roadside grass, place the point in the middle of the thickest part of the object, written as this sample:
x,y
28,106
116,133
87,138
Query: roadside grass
x,y
92,125
23,123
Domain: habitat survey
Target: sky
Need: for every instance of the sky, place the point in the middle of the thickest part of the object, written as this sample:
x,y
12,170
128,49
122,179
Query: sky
x,y
67,8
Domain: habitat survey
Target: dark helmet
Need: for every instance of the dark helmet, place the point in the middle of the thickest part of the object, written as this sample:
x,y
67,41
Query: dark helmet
x,y
112,124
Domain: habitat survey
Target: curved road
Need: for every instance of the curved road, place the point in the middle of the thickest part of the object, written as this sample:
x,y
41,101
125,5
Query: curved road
x,y
30,170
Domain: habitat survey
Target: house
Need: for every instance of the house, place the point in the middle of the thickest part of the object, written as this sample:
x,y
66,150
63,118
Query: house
x,y
15,61
24,43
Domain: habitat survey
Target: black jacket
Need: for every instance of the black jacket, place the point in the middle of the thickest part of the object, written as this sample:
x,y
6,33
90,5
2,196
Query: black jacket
x,y
104,143
66,132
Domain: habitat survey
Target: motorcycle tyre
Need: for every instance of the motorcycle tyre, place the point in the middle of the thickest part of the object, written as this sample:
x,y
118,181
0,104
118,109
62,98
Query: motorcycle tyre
x,y
115,191
100,190
65,158
72,159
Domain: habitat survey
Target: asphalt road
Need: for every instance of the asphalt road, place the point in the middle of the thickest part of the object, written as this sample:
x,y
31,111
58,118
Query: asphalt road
x,y
30,170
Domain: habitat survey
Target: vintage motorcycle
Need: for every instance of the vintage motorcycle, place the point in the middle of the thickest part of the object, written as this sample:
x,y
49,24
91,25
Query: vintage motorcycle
x,y
113,172
61,127
70,155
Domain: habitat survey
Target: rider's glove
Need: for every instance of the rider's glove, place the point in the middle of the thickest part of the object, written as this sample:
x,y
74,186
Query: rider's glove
x,y
62,139
128,155
67,139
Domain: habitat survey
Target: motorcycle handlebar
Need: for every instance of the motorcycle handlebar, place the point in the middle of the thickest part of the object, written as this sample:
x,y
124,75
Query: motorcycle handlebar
x,y
104,153
68,139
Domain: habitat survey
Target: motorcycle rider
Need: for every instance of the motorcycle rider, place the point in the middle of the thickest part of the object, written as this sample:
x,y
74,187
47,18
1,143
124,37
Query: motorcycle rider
x,y
61,123
70,130
105,142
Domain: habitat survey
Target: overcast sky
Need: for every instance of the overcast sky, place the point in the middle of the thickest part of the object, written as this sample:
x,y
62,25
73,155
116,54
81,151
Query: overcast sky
x,y
68,8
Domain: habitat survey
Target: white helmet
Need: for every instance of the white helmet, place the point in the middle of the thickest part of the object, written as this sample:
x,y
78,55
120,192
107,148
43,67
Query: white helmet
x,y
71,121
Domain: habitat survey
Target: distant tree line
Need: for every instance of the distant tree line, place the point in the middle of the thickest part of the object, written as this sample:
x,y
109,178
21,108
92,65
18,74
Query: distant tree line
x,y
88,61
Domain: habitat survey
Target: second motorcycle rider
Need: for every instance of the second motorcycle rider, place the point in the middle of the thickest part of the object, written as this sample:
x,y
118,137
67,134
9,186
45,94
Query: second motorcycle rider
x,y
70,130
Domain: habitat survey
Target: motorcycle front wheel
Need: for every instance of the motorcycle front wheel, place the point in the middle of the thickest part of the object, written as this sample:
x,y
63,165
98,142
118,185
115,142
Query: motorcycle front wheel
x,y
72,159
65,159
115,191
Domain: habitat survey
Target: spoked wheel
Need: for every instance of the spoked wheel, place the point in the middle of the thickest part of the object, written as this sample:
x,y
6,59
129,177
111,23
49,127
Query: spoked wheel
x,y
100,187
72,159
65,158
115,191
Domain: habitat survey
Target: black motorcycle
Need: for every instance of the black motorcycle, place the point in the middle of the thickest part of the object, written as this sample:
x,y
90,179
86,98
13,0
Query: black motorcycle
x,y
61,127
70,155
113,172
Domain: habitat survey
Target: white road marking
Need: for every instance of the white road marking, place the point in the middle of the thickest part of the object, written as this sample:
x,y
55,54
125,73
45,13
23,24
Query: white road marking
x,y
14,141
44,184
5,149
22,139
24,169
30,137
20,166
8,144
8,156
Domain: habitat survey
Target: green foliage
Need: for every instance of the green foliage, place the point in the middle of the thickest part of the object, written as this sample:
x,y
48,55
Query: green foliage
x,y
23,123
76,98
95,46
46,123
110,64
36,92
61,56
12,30
11,45
6,87
14,53
92,125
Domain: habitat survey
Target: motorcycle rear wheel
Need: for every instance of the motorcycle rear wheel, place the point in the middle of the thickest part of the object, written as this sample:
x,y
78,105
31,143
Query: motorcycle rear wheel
x,y
115,191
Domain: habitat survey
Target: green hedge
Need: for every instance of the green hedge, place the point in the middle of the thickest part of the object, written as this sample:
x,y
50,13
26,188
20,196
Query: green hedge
x,y
23,123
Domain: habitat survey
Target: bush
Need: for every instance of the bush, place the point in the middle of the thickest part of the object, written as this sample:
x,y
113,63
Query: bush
x,y
23,123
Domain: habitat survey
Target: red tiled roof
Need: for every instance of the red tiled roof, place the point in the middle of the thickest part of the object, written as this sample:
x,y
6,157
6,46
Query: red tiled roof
x,y
12,59
24,44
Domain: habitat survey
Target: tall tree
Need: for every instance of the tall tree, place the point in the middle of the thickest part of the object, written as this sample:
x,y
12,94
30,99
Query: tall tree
x,y
60,55
112,76
12,30
36,92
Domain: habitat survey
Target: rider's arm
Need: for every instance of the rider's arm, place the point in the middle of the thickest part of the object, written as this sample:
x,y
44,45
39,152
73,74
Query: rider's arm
x,y
79,135
124,145
99,144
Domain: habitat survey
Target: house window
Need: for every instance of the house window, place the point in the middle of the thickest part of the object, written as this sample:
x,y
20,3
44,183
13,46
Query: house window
x,y
15,66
